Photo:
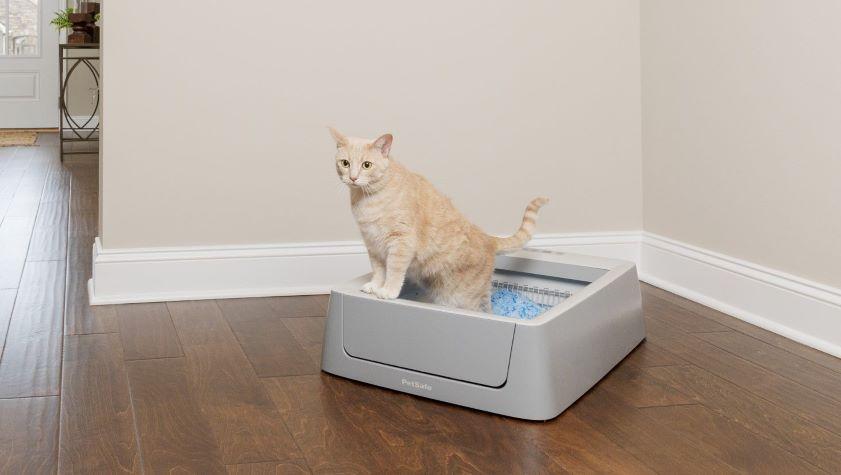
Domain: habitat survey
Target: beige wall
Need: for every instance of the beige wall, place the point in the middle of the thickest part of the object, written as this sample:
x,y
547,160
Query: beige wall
x,y
742,129
216,123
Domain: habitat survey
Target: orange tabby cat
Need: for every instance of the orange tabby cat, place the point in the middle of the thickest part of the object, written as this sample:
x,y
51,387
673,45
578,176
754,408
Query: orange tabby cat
x,y
411,230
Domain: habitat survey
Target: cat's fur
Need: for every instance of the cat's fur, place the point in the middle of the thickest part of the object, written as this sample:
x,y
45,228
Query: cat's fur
x,y
411,230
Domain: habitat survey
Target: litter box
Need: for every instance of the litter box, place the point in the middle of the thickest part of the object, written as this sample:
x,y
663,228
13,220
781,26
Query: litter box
x,y
529,369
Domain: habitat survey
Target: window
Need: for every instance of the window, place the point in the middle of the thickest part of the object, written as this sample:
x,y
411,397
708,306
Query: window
x,y
19,27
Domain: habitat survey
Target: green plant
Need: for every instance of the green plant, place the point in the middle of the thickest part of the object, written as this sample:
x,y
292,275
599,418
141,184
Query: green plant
x,y
62,19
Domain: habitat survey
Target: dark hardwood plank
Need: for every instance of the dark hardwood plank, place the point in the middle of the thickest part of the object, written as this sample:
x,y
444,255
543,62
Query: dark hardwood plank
x,y
7,302
10,272
147,332
456,438
299,306
84,200
248,309
57,187
244,420
5,199
49,236
15,233
28,193
289,467
83,224
6,156
796,398
795,368
28,435
80,317
19,161
309,333
31,362
638,389
325,302
84,197
343,426
269,345
802,438
329,440
84,178
97,429
12,171
771,338
655,445
577,447
487,443
680,317
648,355
174,436
728,440
656,331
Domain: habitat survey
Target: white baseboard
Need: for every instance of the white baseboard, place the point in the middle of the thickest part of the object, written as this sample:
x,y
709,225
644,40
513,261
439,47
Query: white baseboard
x,y
804,311
192,273
195,273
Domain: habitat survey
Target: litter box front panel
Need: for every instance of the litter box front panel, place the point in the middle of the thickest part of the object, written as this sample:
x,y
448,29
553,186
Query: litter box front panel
x,y
439,342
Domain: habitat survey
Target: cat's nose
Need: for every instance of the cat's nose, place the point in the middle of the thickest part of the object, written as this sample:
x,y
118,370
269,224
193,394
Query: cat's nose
x,y
353,179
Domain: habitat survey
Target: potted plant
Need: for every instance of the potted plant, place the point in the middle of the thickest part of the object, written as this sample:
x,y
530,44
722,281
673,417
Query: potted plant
x,y
82,22
61,20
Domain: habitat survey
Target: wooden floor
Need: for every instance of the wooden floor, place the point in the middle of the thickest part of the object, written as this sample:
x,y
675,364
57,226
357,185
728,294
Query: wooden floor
x,y
234,385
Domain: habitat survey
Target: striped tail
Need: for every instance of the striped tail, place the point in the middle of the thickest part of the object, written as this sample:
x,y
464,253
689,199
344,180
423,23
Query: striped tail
x,y
523,235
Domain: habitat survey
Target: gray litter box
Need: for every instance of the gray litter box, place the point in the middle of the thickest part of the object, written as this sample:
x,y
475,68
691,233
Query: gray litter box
x,y
530,369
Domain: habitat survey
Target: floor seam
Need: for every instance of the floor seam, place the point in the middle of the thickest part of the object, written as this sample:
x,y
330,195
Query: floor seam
x,y
129,360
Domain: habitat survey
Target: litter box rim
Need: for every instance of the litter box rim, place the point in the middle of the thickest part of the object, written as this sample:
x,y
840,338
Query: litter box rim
x,y
612,268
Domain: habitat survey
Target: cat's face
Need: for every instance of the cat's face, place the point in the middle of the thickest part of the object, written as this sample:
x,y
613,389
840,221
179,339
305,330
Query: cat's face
x,y
361,162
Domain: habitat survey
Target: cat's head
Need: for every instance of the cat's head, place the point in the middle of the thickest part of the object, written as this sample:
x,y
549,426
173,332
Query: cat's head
x,y
361,162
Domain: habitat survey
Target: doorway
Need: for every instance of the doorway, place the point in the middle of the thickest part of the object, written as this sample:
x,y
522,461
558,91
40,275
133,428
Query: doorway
x,y
28,64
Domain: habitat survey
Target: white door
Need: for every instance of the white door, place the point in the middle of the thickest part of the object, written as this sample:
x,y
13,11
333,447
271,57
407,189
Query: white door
x,y
28,64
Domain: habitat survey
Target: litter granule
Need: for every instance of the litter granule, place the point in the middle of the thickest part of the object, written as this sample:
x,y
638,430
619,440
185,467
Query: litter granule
x,y
510,303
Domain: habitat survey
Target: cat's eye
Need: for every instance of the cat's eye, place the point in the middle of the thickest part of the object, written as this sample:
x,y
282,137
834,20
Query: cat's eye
x,y
367,165
344,163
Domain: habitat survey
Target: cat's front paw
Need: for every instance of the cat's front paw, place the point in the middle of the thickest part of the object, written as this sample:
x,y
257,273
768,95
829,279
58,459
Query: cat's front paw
x,y
386,293
369,287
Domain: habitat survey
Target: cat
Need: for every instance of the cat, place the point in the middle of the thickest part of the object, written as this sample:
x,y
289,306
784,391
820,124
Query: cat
x,y
413,231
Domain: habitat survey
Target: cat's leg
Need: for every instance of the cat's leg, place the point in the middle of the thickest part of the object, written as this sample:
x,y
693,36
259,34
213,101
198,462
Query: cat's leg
x,y
469,288
378,278
485,301
400,255
477,298
463,301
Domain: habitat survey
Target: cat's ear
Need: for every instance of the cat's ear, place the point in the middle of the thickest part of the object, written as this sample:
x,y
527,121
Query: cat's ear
x,y
340,139
383,144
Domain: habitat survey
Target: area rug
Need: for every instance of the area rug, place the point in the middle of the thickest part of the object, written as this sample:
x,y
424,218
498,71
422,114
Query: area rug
x,y
14,138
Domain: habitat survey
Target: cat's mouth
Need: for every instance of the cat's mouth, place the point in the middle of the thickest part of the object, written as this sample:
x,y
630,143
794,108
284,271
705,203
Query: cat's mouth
x,y
355,184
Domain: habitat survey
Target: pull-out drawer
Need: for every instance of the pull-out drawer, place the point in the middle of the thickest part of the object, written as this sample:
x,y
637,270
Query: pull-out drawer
x,y
433,341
